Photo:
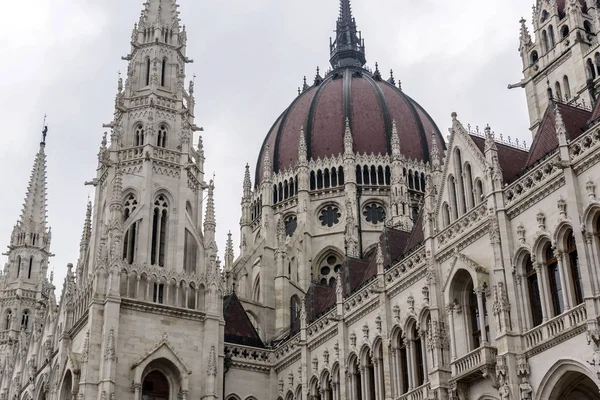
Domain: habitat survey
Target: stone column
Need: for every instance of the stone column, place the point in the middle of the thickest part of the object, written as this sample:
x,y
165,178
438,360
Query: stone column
x,y
593,253
543,288
394,371
565,281
137,391
410,365
177,300
523,302
479,293
377,378
450,311
424,356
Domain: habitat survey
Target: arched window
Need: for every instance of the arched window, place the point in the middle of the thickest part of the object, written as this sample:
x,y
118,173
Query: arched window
x,y
469,185
417,348
452,195
25,320
139,135
446,214
159,231
545,42
275,194
155,386
534,57
533,293
286,190
373,175
341,178
18,266
556,289
30,267
161,140
366,175
256,289
591,70
158,293
327,179
551,34
564,32
544,16
573,260
355,383
388,176
597,61
163,73
567,88
359,179
147,71
294,312
190,251
417,181
292,188
280,192
478,191
460,187
558,91
313,182
319,179
334,177
423,181
8,319
380,176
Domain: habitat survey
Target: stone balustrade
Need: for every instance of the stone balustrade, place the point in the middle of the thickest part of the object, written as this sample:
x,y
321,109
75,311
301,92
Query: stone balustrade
x,y
472,362
420,393
555,327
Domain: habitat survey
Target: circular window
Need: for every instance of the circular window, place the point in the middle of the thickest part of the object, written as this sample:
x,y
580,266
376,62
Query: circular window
x,y
329,216
291,223
328,270
374,213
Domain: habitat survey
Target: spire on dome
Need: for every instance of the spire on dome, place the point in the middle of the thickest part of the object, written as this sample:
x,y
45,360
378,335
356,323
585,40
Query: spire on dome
x,y
395,141
435,151
267,165
160,13
302,149
348,140
348,48
34,207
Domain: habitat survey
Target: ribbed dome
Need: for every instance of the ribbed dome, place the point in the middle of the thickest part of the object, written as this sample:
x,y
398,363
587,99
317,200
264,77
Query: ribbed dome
x,y
370,103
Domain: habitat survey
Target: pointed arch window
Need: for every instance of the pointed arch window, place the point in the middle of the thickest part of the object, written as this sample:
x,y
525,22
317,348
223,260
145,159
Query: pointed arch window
x,y
552,38
591,70
477,331
30,267
558,91
147,71
139,135
159,231
161,139
573,260
327,178
130,239
452,195
533,292
359,180
366,175
446,214
313,181
545,42
163,72
334,177
190,251
18,266
417,347
25,320
567,88
556,289
8,319
158,293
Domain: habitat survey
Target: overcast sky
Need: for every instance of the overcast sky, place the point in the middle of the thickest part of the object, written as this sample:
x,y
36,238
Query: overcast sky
x,y
62,57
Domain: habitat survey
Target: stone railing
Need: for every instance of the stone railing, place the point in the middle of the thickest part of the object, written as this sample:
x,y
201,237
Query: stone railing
x,y
255,358
473,361
420,393
166,155
454,231
131,154
582,146
531,181
556,326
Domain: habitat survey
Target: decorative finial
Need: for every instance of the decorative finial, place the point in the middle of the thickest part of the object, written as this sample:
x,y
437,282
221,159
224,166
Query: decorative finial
x,y
348,48
44,131
305,85
400,84
377,74
318,78
392,80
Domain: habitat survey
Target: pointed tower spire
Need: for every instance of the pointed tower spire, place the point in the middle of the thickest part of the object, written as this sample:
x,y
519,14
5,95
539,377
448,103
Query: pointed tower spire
x,y
561,130
87,228
267,165
525,37
348,140
435,151
160,13
209,220
34,206
395,141
229,252
247,183
348,48
302,149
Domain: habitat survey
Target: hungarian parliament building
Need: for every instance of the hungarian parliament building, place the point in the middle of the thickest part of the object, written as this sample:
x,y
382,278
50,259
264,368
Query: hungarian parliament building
x,y
379,258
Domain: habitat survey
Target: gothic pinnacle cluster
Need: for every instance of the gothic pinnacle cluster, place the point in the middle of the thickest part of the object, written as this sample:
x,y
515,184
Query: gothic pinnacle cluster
x,y
348,48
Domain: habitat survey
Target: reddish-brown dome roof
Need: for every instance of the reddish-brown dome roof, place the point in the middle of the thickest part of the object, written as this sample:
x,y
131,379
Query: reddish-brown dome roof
x,y
371,104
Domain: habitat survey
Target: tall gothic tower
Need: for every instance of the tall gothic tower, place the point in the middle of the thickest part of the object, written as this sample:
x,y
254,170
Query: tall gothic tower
x,y
561,62
147,268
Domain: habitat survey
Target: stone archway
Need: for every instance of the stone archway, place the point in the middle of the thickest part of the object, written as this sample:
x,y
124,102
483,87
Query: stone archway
x,y
574,385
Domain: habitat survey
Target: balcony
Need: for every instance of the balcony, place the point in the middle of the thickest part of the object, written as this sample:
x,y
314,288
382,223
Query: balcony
x,y
475,365
555,327
420,393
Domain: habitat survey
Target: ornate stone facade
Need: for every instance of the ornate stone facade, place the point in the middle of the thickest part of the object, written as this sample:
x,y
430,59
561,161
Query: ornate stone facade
x,y
470,271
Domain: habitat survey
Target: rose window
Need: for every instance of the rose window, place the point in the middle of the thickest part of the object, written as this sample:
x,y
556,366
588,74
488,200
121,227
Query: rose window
x,y
328,270
374,213
329,216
